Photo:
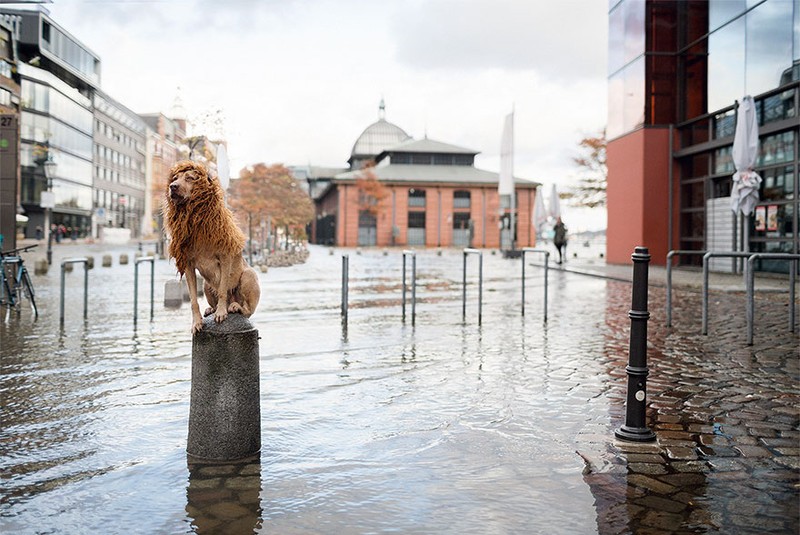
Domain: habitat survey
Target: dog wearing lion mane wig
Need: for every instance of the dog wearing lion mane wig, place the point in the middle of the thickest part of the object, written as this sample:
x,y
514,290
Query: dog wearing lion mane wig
x,y
205,237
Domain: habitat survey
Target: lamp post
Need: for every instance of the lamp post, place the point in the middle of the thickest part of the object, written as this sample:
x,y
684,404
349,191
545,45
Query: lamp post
x,y
48,201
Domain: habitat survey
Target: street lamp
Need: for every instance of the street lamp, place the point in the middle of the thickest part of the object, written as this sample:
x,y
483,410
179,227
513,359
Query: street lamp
x,y
48,201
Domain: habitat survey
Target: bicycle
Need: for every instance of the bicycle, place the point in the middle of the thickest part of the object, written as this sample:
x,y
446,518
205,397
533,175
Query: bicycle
x,y
16,280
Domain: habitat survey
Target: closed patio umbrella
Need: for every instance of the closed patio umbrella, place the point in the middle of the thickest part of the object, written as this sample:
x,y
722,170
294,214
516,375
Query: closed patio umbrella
x,y
746,182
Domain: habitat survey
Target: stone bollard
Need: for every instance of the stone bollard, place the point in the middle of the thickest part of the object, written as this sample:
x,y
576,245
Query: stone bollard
x,y
89,262
40,266
173,294
106,260
185,288
123,259
264,268
68,268
224,409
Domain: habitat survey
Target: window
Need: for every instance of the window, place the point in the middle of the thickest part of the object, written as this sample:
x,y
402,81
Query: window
x,y
461,199
416,198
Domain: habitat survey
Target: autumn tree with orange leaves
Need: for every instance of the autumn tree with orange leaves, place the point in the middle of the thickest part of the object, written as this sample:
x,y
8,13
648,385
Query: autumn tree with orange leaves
x,y
370,191
271,191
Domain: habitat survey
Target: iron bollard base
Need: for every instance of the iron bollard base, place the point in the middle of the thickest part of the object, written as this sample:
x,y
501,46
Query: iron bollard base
x,y
635,434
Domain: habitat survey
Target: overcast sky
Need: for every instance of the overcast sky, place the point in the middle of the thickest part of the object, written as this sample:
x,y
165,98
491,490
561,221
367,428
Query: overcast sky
x,y
298,80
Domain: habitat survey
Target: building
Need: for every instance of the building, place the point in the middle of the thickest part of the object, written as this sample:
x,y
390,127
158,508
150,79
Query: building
x,y
676,73
9,136
422,193
120,155
58,75
164,141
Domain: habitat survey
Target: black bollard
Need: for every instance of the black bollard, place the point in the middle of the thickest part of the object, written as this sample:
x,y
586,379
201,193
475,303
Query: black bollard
x,y
635,428
224,412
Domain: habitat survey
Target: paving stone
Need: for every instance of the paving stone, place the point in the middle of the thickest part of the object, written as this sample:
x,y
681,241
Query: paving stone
x,y
662,520
681,454
684,480
650,483
647,468
644,458
788,462
217,470
249,482
753,451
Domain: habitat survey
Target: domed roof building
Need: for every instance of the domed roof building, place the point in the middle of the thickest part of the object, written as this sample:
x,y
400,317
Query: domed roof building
x,y
375,139
401,191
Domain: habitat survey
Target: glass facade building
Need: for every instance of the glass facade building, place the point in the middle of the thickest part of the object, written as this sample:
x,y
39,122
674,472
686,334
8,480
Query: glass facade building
x,y
56,122
676,73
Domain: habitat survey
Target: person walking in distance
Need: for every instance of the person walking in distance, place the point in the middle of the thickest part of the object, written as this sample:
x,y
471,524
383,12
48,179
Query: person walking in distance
x,y
560,239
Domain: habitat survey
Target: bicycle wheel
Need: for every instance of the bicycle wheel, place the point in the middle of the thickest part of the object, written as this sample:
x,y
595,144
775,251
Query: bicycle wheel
x,y
27,285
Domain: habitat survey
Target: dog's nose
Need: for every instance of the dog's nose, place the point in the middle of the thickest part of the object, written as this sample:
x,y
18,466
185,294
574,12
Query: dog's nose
x,y
173,186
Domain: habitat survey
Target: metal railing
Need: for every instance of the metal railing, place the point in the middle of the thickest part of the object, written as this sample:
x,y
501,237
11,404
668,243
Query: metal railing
x,y
706,258
467,252
136,286
546,269
750,274
413,256
64,264
669,279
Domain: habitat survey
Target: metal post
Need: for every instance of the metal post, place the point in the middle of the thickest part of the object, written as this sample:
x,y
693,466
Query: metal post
x,y
136,287
635,428
414,290
464,284
64,263
464,288
750,285
404,286
345,285
706,257
669,279
749,277
546,269
669,270
413,256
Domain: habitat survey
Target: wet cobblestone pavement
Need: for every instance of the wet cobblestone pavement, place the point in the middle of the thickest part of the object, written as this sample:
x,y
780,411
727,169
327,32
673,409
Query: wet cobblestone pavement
x,y
444,427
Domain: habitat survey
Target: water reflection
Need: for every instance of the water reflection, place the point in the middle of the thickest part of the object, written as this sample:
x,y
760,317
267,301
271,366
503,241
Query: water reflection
x,y
224,498
442,427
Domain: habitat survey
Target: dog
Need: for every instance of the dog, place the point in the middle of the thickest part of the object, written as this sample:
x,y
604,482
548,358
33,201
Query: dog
x,y
204,236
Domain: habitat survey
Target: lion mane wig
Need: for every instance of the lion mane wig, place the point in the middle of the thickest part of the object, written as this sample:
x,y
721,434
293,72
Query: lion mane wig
x,y
203,222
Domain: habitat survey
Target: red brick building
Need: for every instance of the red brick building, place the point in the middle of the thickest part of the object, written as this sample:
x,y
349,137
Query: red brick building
x,y
432,195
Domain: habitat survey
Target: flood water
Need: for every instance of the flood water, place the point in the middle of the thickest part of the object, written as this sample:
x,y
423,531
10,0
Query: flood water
x,y
446,426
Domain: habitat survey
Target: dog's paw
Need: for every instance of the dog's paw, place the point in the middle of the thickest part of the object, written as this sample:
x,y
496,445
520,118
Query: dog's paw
x,y
208,312
235,308
197,326
220,315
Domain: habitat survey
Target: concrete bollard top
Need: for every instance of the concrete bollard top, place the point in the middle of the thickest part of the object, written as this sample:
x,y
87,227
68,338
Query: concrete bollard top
x,y
234,323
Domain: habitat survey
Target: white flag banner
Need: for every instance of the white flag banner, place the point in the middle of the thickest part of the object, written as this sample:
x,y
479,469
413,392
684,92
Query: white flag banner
x,y
506,182
223,169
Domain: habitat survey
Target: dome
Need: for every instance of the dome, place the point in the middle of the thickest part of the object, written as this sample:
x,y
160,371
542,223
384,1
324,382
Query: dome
x,y
376,138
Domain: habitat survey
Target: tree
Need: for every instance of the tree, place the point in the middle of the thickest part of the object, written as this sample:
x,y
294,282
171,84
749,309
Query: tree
x,y
371,191
591,190
271,192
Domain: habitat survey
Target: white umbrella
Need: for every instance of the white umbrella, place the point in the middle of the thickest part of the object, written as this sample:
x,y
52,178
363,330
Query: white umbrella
x,y
554,207
746,182
539,213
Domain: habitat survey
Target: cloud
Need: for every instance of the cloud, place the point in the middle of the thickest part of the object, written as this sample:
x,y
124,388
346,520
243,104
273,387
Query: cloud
x,y
548,37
